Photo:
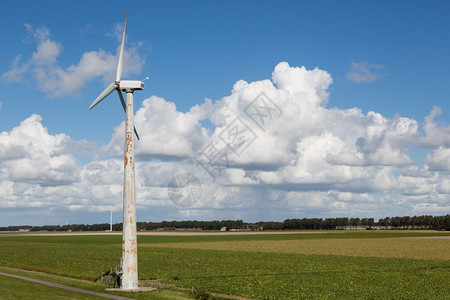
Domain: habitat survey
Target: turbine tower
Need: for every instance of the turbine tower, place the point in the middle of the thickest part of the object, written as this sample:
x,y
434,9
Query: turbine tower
x,y
129,239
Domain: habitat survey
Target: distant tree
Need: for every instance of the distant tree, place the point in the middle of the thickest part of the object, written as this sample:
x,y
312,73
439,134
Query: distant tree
x,y
355,222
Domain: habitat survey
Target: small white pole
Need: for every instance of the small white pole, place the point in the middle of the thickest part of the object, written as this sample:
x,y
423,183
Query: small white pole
x,y
110,221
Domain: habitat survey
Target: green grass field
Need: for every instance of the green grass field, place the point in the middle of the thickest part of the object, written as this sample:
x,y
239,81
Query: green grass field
x,y
327,265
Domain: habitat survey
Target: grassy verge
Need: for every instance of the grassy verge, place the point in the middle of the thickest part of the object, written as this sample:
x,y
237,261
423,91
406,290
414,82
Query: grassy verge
x,y
11,288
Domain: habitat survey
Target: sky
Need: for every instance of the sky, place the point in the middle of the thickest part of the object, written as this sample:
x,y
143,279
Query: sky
x,y
260,110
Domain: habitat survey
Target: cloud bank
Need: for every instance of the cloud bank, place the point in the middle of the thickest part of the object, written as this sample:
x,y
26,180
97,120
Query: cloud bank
x,y
274,151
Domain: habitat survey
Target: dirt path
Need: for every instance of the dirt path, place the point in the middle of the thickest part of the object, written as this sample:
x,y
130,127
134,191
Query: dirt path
x,y
65,287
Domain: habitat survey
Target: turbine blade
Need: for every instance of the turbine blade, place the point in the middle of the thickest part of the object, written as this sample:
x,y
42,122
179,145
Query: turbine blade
x,y
122,100
109,89
122,48
135,132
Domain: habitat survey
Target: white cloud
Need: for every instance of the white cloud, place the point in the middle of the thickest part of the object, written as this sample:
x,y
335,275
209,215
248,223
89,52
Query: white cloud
x,y
430,208
305,159
308,145
164,131
46,53
44,68
29,153
116,32
436,135
364,72
17,70
439,159
444,186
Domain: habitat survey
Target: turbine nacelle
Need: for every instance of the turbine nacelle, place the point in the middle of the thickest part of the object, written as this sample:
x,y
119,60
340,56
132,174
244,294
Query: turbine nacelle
x,y
130,85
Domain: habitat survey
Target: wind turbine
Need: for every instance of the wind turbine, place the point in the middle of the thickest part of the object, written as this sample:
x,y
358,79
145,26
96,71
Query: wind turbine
x,y
110,220
129,239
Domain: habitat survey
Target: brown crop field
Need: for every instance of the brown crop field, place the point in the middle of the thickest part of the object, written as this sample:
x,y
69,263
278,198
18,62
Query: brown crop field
x,y
435,248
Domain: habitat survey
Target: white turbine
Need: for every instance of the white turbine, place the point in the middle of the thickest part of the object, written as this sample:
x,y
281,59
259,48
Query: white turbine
x,y
129,239
110,220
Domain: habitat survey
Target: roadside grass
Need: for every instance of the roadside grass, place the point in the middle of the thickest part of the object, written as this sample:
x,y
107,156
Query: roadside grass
x,y
290,266
12,288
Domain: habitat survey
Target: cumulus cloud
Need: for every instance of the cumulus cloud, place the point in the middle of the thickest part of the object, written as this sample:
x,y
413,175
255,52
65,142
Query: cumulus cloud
x,y
44,68
28,153
165,132
287,155
302,143
364,72
444,186
436,135
439,159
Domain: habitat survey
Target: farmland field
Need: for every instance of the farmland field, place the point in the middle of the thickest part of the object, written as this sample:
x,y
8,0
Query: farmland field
x,y
323,265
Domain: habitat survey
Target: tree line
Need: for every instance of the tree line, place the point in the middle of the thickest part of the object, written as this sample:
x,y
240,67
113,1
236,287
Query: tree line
x,y
328,223
416,222
405,222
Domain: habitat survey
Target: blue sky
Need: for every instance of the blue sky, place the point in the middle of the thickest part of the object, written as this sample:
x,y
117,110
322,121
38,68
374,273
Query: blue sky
x,y
388,58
